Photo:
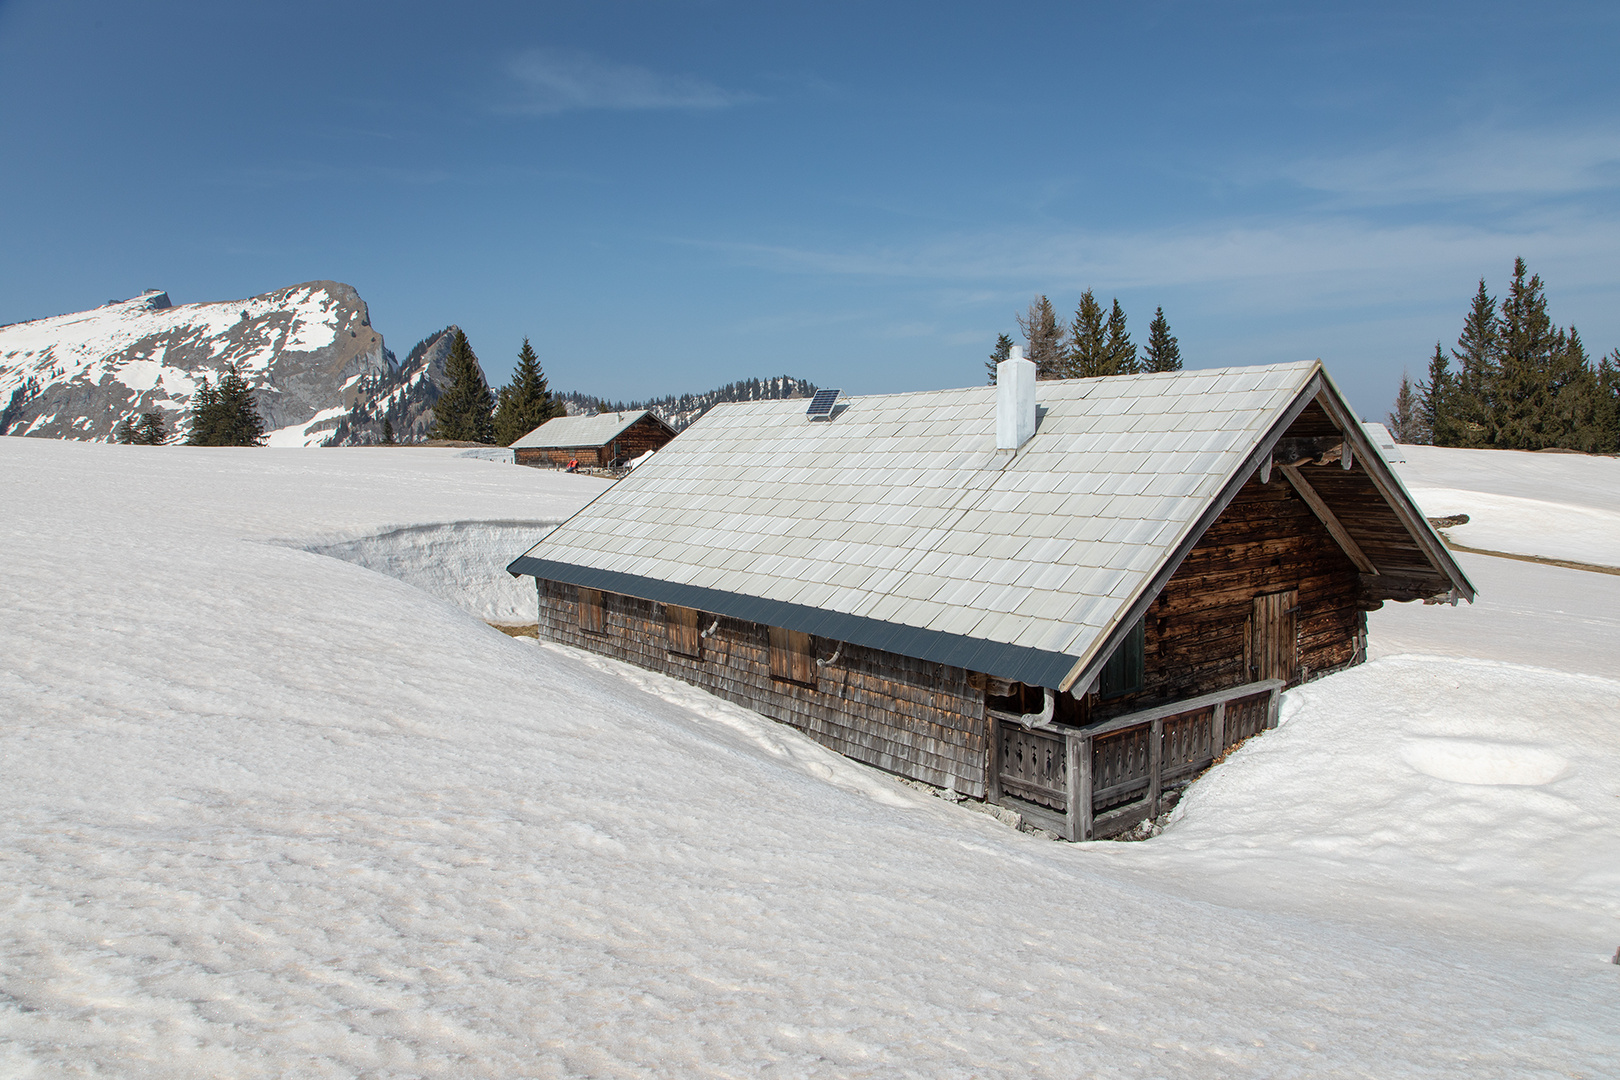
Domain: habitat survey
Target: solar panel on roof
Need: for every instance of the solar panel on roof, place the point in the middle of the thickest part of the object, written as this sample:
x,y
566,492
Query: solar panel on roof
x,y
822,404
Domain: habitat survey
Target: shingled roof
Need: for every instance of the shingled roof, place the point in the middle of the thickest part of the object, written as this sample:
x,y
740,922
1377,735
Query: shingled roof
x,y
561,432
899,524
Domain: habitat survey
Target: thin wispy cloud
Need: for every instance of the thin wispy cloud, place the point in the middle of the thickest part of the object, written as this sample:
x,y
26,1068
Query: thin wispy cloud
x,y
554,81
1477,164
1269,265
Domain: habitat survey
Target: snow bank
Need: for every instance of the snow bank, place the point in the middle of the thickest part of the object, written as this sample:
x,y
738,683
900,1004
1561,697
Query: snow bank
x,y
463,563
1439,793
271,813
1519,526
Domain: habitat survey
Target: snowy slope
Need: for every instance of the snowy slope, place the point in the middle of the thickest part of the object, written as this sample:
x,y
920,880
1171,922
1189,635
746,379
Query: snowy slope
x,y
271,813
1560,506
303,349
1552,506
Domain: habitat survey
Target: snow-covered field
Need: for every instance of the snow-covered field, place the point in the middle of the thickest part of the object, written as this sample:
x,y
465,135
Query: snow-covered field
x,y
271,812
1559,506
1556,506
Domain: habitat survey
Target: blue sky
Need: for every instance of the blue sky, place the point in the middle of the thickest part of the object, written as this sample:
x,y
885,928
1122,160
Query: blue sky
x,y
669,196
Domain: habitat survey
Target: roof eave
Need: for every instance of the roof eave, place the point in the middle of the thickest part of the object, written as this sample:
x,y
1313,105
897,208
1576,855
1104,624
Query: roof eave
x,y
1035,667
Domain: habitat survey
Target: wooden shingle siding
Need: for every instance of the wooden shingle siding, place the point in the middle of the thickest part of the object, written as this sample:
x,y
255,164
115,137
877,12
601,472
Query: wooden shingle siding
x,y
911,717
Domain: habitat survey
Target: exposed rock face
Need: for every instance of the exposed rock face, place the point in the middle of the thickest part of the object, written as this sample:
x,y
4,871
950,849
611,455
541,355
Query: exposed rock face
x,y
402,394
306,351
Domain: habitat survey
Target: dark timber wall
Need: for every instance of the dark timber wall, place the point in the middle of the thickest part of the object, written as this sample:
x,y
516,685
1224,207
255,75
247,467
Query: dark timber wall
x,y
1197,634
912,717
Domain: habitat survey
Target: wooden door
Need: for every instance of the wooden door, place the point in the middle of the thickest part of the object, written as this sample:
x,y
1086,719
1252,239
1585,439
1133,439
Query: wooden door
x,y
1275,640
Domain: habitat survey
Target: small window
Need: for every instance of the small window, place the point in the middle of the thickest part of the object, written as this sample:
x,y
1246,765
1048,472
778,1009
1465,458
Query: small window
x,y
793,656
1124,671
681,631
590,611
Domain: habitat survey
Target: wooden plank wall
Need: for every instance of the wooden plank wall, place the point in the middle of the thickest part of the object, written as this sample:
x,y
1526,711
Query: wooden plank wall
x,y
912,717
1196,631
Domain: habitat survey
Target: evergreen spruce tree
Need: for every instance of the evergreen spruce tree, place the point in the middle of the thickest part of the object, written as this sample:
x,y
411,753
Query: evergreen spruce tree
x,y
465,411
1478,355
1522,402
524,403
388,432
1608,404
152,430
1437,398
1044,339
204,414
236,421
1403,422
1573,390
225,415
1120,352
1002,350
1088,340
124,433
1162,351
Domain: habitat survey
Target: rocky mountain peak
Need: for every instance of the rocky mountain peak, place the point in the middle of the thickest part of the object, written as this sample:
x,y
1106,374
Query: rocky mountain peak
x,y
305,350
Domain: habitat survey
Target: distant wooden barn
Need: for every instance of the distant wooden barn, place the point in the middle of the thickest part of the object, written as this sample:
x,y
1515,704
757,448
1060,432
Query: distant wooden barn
x,y
1069,597
599,440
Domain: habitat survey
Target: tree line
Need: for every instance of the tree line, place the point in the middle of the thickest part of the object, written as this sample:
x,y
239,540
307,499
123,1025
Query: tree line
x,y
681,411
1514,381
224,414
1093,343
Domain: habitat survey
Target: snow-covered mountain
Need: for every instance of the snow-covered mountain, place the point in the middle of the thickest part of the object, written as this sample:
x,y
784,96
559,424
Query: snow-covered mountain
x,y
309,352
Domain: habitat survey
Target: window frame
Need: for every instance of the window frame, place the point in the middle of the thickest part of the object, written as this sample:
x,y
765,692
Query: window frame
x,y
1125,673
683,635
793,656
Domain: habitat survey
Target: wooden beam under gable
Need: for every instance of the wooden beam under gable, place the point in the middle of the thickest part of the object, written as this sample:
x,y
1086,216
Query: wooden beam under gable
x,y
1394,492
1327,517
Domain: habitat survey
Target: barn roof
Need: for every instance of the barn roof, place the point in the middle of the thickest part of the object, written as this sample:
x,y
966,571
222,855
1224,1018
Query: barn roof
x,y
899,525
561,432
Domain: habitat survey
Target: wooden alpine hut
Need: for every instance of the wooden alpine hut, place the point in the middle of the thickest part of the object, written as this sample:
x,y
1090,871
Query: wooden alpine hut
x,y
600,440
1068,597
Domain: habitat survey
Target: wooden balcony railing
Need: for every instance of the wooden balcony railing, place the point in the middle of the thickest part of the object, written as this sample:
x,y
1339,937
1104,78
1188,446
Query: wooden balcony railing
x,y
1094,782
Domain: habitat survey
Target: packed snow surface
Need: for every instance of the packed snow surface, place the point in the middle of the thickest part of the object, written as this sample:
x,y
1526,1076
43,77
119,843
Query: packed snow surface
x,y
1537,506
278,803
1558,506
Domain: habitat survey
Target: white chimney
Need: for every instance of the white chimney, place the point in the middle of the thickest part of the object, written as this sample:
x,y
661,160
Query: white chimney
x,y
1015,400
